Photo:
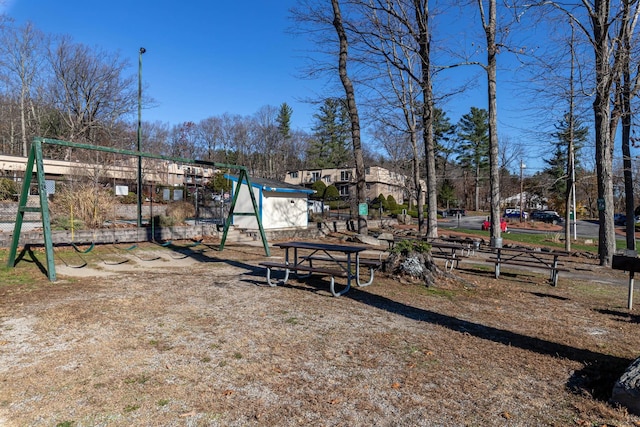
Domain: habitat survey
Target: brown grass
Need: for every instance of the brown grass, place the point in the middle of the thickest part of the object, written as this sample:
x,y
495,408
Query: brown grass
x,y
83,206
208,343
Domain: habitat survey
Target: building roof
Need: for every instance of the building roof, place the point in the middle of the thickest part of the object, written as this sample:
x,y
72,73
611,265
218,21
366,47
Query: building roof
x,y
273,185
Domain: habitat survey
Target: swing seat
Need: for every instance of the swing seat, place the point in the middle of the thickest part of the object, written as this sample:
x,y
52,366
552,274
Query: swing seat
x,y
83,251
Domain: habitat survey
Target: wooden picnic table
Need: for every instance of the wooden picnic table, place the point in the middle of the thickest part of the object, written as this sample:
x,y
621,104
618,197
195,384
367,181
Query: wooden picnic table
x,y
342,260
527,257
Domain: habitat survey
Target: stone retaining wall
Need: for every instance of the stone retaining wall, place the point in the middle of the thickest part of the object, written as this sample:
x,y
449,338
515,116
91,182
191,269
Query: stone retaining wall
x,y
131,235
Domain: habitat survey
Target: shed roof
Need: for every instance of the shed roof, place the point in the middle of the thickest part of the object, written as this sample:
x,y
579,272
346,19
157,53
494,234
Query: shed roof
x,y
273,185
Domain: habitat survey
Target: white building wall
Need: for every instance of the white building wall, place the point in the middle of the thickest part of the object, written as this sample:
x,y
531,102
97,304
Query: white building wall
x,y
284,210
243,204
277,210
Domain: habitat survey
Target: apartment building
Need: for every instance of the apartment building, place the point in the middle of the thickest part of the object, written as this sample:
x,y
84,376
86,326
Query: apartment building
x,y
154,171
378,181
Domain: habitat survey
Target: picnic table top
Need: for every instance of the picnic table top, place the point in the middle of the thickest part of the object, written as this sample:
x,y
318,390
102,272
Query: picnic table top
x,y
447,245
537,251
331,247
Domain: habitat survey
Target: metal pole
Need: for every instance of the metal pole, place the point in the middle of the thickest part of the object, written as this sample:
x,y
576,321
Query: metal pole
x,y
522,166
139,195
573,194
630,298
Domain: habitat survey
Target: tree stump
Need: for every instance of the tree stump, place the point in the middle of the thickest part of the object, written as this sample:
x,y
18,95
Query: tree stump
x,y
412,263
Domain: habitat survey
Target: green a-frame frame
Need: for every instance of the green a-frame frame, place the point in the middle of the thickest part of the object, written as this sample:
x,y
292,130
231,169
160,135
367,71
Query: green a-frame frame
x,y
35,159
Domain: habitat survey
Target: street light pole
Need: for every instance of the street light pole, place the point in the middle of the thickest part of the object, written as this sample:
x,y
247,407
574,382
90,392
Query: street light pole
x,y
522,166
139,219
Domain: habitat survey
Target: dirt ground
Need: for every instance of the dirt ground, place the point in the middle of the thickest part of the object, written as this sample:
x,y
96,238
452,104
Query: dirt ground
x,y
194,337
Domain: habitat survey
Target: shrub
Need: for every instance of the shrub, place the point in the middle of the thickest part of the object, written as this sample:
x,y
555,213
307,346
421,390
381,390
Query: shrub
x,y
83,205
331,193
406,247
129,199
8,188
163,221
180,211
319,187
391,202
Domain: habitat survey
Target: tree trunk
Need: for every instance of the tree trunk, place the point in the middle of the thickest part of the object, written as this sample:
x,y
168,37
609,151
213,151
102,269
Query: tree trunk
x,y
494,166
353,114
627,166
571,166
415,165
604,146
422,19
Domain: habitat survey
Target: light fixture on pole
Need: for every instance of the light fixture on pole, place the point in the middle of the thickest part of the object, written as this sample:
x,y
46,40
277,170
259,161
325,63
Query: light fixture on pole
x,y
522,166
139,193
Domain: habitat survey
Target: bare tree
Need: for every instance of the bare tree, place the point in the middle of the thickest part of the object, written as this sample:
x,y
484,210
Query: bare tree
x,y
209,131
489,24
267,139
21,57
626,89
353,112
393,39
607,25
89,90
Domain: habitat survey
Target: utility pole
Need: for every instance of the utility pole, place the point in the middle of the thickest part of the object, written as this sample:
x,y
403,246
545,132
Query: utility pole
x,y
139,219
522,166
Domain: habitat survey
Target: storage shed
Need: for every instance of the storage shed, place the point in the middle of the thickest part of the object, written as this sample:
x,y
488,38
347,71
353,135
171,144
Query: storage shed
x,y
280,205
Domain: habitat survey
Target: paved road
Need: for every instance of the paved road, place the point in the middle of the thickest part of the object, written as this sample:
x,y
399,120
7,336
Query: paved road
x,y
584,229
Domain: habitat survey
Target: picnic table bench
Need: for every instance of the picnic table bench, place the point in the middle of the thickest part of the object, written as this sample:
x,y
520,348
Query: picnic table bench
x,y
469,244
371,263
450,252
527,257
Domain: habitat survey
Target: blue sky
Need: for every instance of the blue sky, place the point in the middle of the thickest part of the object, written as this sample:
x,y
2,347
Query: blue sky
x,y
203,58
209,57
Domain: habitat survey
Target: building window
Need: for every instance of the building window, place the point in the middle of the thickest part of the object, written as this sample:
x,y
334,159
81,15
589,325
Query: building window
x,y
368,186
327,179
315,176
293,174
344,190
367,171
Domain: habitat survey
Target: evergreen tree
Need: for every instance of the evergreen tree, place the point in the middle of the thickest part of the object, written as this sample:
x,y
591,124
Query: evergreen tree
x,y
557,164
473,146
331,136
447,193
284,121
443,132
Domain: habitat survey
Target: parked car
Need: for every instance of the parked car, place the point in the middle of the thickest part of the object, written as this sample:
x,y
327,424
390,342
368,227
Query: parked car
x,y
619,219
456,211
515,213
546,216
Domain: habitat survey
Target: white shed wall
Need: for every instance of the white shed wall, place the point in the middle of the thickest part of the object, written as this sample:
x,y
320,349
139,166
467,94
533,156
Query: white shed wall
x,y
243,204
277,210
284,210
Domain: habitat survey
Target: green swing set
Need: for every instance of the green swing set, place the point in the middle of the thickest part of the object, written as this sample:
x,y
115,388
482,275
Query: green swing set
x,y
35,159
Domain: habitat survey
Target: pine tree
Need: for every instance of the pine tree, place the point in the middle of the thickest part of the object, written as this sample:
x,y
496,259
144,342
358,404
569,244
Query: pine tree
x,y
284,121
473,134
443,131
331,136
557,170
